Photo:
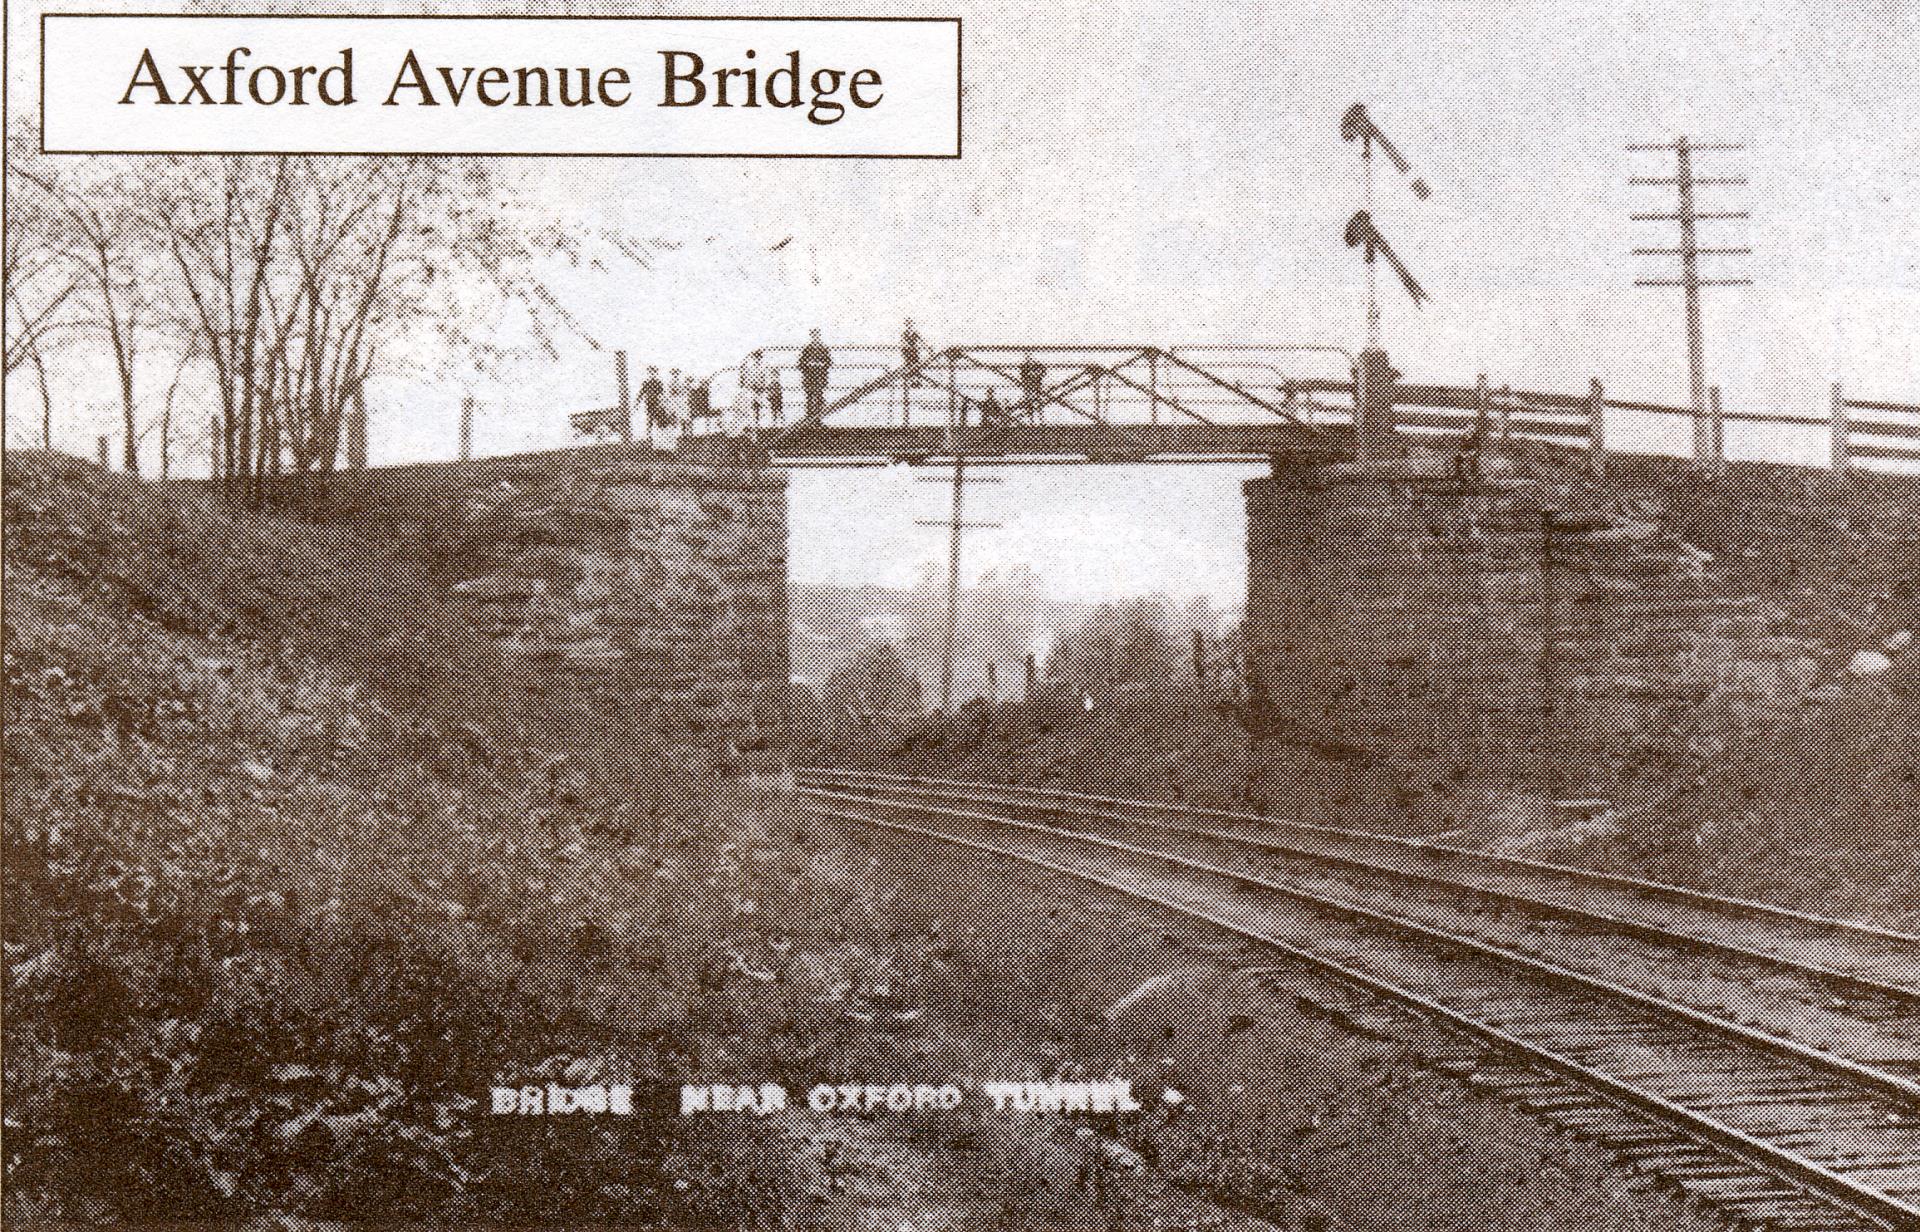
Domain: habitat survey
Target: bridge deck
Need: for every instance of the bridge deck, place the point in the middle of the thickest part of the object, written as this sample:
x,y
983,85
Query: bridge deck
x,y
1095,442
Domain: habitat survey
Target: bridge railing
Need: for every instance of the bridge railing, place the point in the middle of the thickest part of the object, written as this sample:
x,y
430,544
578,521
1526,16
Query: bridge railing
x,y
871,386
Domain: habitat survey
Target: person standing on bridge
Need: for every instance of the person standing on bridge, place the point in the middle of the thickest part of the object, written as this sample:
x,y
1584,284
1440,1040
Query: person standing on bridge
x,y
653,398
699,400
815,362
1033,376
676,407
911,346
992,414
751,399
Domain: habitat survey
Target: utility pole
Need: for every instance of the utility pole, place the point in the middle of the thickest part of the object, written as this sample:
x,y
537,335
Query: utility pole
x,y
956,525
1549,664
1689,216
950,632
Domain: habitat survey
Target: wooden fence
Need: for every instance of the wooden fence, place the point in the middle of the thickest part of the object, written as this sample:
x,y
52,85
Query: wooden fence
x,y
1871,431
1861,430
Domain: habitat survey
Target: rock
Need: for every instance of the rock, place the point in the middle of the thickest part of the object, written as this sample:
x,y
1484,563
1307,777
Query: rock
x,y
1869,663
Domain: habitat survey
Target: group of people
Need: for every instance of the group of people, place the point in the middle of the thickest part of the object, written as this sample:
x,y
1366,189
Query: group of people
x,y
671,404
816,362
913,358
681,401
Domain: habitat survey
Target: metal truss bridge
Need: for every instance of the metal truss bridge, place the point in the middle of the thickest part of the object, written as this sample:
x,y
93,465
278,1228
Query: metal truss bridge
x,y
1103,403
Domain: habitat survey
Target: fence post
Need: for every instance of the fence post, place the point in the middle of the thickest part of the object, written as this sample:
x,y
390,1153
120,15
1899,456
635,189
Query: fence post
x,y
357,431
625,411
1716,433
1842,433
106,455
1597,426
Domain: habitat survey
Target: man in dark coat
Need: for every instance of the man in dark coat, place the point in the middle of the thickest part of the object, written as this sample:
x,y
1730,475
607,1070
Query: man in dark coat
x,y
911,350
1033,375
653,398
815,362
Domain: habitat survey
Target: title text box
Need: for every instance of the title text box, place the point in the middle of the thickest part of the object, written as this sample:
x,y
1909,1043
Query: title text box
x,y
597,86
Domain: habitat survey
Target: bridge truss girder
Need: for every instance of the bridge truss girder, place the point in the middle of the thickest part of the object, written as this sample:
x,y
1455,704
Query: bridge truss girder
x,y
1098,402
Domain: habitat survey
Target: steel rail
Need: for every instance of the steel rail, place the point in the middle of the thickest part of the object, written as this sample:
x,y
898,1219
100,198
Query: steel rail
x,y
1548,908
1833,1186
1720,902
1541,968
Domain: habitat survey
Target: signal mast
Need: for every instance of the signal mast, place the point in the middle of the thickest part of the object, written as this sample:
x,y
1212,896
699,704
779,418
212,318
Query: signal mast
x,y
1374,375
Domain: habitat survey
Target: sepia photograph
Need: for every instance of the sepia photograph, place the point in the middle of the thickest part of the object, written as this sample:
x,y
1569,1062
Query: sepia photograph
x,y
1089,618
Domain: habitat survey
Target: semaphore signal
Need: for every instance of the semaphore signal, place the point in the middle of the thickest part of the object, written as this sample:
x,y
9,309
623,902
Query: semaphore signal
x,y
1358,125
1360,230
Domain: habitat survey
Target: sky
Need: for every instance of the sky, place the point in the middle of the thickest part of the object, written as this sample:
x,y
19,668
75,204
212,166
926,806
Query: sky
x,y
1173,172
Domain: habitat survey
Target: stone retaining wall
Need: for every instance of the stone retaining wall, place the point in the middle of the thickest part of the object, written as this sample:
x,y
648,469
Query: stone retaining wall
x,y
1405,610
645,590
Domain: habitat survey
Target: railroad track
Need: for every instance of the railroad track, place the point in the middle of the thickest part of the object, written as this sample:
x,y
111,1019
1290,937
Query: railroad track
x,y
1772,1131
1876,968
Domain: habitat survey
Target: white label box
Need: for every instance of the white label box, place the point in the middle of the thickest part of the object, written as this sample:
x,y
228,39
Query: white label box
x,y
823,87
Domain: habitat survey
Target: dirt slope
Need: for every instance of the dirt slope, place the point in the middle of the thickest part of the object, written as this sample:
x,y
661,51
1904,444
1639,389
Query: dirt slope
x,y
1821,813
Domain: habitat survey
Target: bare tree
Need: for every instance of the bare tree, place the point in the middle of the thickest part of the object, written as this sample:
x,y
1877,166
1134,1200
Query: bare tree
x,y
298,283
187,360
37,356
33,306
104,250
220,234
304,277
39,273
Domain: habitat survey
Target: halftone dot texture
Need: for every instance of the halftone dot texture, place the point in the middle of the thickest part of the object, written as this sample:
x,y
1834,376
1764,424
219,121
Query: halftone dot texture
x,y
342,864
340,793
